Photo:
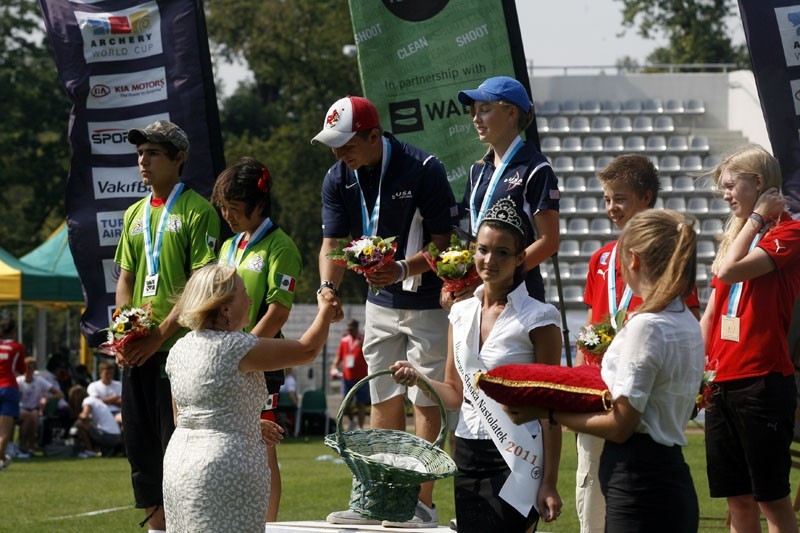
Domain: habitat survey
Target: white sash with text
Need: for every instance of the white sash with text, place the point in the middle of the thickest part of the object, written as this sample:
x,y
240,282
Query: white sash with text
x,y
523,453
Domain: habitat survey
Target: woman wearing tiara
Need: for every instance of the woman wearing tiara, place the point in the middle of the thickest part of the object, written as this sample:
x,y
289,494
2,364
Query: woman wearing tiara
x,y
511,168
505,472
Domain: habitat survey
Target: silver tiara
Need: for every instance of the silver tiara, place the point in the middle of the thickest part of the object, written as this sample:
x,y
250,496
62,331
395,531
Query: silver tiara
x,y
505,210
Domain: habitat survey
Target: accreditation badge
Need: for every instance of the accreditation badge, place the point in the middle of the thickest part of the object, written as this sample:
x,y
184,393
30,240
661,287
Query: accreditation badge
x,y
730,328
150,286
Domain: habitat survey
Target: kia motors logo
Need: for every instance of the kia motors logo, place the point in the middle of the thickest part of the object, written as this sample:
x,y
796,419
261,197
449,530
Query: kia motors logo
x,y
99,91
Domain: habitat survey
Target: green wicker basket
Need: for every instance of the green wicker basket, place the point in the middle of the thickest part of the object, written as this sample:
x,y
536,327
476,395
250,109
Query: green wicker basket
x,y
381,491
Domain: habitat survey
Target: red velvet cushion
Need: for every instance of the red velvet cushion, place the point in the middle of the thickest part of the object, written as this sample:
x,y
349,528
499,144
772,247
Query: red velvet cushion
x,y
563,388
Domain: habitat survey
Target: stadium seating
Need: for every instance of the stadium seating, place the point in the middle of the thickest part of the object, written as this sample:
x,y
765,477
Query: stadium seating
x,y
581,137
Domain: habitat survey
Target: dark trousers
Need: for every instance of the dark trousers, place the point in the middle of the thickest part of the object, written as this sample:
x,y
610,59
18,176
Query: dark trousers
x,y
480,476
147,416
648,487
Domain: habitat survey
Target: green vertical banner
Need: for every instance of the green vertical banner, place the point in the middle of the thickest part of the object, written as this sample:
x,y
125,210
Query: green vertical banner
x,y
415,55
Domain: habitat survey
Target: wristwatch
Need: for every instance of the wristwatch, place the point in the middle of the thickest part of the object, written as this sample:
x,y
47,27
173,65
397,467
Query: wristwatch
x,y
327,285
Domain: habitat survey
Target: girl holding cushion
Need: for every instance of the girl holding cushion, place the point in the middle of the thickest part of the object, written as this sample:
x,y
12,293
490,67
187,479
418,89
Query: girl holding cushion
x,y
653,370
505,472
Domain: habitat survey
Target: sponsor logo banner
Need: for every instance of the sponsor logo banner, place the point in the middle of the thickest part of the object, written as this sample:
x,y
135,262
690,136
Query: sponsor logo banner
x,y
109,227
120,70
110,138
118,182
108,91
420,53
773,38
122,35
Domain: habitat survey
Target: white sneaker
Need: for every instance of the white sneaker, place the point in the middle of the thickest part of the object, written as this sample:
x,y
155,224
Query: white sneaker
x,y
87,454
351,517
5,462
23,455
424,516
453,524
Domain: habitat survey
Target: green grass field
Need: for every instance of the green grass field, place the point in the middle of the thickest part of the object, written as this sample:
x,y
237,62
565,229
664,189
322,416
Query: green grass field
x,y
79,495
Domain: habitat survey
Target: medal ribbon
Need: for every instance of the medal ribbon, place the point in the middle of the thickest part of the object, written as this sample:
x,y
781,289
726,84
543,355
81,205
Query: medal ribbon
x,y
256,236
152,252
477,217
627,293
736,289
369,223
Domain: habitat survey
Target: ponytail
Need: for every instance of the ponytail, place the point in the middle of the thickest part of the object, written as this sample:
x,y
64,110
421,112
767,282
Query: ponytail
x,y
666,244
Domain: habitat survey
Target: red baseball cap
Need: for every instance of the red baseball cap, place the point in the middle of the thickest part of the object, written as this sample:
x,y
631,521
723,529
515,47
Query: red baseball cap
x,y
345,118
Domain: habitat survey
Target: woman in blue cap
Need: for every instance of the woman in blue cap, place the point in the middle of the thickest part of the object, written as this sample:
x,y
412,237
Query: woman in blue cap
x,y
501,110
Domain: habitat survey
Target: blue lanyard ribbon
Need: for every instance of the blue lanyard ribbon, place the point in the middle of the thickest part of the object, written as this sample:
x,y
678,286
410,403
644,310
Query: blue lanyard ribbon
x,y
152,251
736,289
369,222
476,217
627,293
256,236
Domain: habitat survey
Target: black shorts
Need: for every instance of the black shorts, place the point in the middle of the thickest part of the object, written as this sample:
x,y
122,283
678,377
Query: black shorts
x,y
147,412
749,430
647,487
480,476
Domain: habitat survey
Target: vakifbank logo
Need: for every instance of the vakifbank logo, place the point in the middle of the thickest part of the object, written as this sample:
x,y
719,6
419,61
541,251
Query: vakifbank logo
x,y
121,35
789,28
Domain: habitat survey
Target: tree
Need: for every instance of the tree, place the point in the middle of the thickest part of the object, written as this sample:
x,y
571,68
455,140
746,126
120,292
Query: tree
x,y
696,30
294,50
34,152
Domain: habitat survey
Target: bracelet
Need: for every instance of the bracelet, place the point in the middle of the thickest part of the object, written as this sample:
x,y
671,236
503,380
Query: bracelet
x,y
327,285
403,264
551,419
758,218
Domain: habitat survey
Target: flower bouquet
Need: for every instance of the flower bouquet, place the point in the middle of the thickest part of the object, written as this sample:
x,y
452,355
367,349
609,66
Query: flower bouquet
x,y
364,255
594,339
707,389
455,266
127,324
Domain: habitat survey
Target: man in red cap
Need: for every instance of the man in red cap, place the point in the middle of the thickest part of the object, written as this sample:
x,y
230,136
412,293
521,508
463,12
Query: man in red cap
x,y
381,186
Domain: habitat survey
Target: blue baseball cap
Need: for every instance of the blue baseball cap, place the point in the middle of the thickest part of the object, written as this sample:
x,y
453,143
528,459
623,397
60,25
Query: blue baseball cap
x,y
498,88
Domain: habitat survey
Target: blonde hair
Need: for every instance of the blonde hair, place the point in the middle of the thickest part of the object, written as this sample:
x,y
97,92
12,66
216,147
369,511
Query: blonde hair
x,y
523,121
747,161
666,245
206,292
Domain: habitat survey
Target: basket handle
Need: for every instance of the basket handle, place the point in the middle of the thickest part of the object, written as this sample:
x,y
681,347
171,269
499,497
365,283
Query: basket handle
x,y
420,382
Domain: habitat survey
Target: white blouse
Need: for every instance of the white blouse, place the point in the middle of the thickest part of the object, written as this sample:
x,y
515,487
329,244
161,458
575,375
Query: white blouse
x,y
507,343
657,362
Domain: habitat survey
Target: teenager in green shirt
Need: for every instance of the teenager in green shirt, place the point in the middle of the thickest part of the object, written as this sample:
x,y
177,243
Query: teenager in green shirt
x,y
166,235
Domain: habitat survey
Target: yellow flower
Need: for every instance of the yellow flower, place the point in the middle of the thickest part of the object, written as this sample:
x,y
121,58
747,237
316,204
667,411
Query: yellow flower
x,y
368,250
466,256
120,327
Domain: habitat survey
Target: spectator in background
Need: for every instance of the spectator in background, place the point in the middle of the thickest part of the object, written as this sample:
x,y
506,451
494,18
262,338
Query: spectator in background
x,y
98,429
289,386
350,365
34,393
12,362
107,389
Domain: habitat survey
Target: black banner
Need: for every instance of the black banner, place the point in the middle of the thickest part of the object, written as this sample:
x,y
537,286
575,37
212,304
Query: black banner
x,y
125,64
772,28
